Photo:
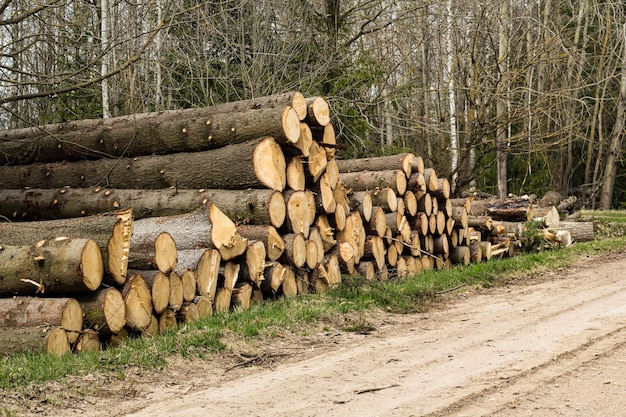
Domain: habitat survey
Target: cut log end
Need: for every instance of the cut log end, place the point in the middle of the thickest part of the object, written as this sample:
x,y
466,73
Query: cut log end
x,y
166,256
269,163
91,265
224,235
318,111
277,209
114,310
57,342
291,124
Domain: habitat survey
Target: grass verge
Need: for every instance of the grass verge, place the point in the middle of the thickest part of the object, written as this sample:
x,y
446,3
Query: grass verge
x,y
200,339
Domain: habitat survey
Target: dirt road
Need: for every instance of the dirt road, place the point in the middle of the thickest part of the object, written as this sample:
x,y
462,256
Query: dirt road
x,y
553,346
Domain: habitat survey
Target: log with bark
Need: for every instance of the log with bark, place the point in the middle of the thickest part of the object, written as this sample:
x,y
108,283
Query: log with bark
x,y
52,267
386,198
252,206
402,161
548,216
207,273
289,286
33,312
371,180
206,228
301,209
104,310
579,231
273,241
88,341
511,209
318,111
255,262
361,201
164,132
111,232
242,295
258,163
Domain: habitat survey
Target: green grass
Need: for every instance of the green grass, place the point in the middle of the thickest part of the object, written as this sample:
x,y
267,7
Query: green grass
x,y
613,216
296,315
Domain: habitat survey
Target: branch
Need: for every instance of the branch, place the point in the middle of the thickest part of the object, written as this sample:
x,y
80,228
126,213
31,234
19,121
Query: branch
x,y
95,80
25,15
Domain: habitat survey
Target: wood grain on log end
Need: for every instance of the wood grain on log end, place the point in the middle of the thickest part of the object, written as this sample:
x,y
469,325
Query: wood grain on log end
x,y
269,164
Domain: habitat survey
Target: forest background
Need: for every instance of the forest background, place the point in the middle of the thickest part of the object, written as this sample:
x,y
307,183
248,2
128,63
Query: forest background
x,y
505,96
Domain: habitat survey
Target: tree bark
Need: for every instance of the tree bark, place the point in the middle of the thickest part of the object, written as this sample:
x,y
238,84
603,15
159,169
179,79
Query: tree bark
x,y
52,267
206,228
385,198
273,241
318,112
580,231
370,180
65,313
402,162
159,133
253,206
361,201
295,250
258,163
617,137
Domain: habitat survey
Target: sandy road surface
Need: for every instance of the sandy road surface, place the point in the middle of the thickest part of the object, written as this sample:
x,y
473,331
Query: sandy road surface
x,y
548,346
557,347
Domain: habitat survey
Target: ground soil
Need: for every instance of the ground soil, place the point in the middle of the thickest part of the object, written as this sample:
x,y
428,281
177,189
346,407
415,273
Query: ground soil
x,y
545,345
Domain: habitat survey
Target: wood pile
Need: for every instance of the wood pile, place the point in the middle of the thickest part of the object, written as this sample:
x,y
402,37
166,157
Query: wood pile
x,y
131,225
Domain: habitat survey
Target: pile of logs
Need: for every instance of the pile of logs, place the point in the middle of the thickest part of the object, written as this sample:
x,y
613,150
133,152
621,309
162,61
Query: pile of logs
x,y
130,225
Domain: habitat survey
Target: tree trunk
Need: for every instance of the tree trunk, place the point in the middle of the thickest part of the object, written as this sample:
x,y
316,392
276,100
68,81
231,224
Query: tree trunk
x,y
88,341
361,201
65,313
252,206
370,180
403,162
296,179
385,198
242,296
460,255
316,162
318,112
159,133
209,228
617,137
175,300
501,142
258,163
548,216
52,267
289,286
273,241
580,231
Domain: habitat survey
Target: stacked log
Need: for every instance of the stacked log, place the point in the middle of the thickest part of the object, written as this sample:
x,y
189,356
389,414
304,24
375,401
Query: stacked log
x,y
219,204
151,220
